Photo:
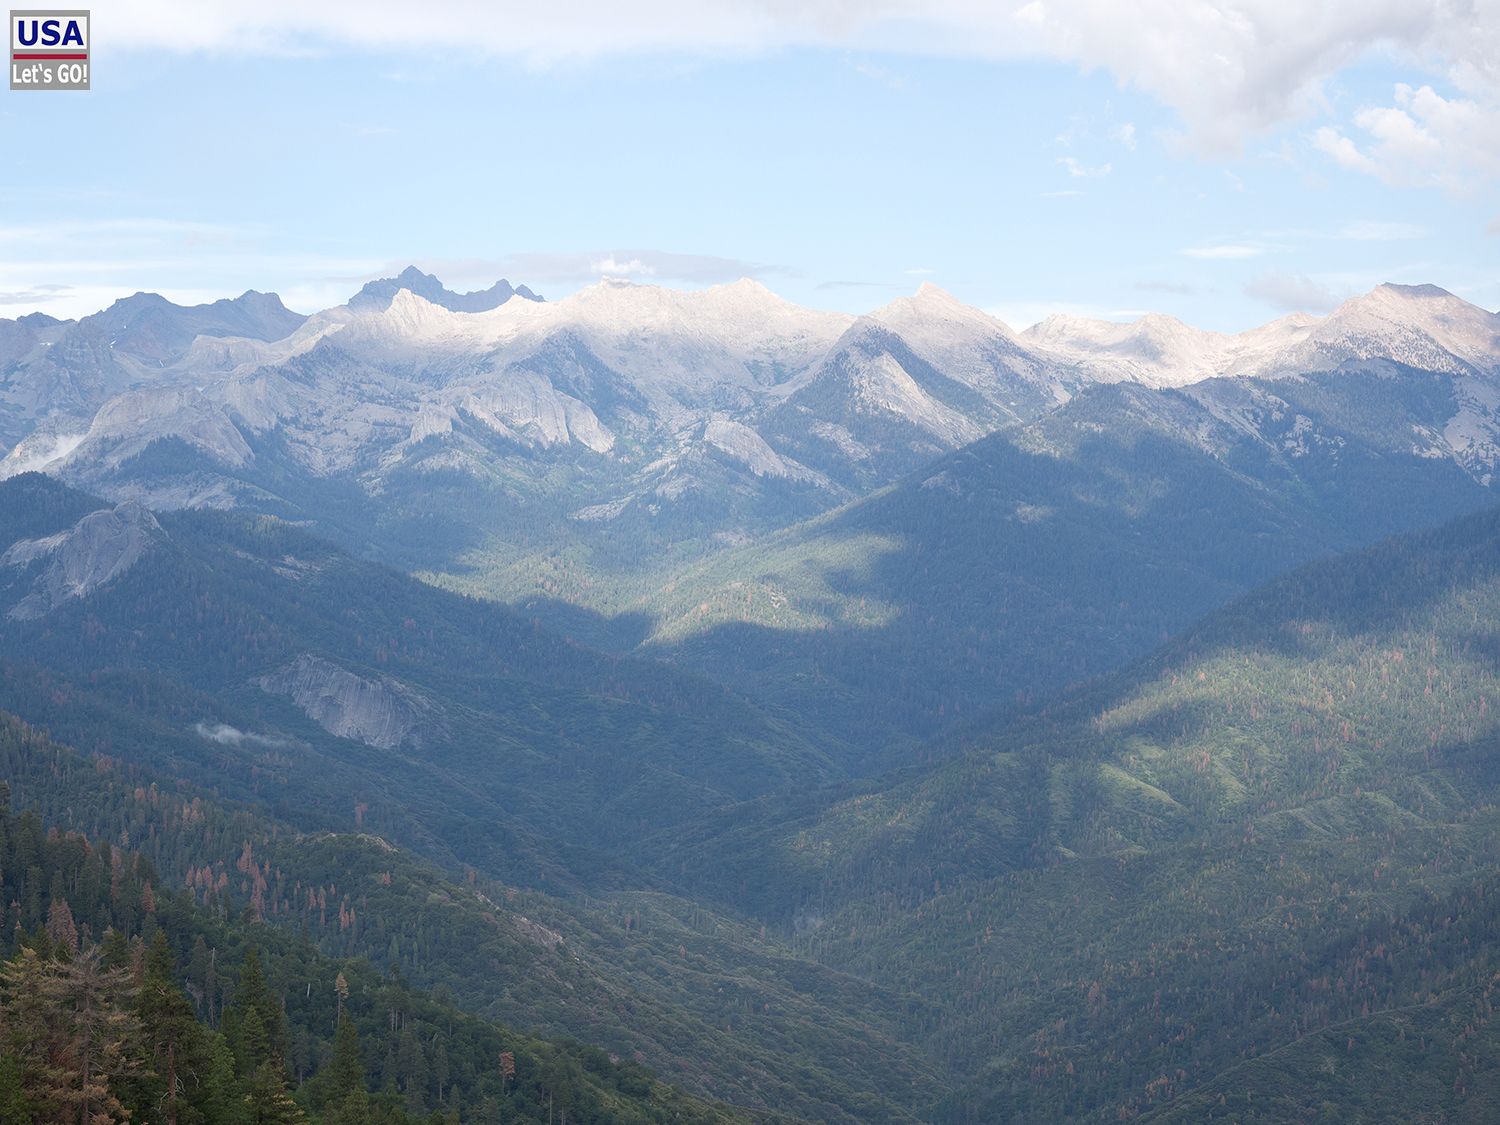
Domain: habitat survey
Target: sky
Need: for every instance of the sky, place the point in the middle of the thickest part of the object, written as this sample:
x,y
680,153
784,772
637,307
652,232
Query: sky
x,y
1223,162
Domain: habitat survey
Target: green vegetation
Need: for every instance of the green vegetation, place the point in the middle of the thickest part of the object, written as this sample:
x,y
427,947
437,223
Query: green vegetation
x,y
123,1000
1249,877
512,725
1194,876
708,1002
1027,562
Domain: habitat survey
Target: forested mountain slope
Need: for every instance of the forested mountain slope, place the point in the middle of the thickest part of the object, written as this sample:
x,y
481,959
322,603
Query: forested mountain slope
x,y
688,991
240,651
1044,555
1277,834
338,707
121,998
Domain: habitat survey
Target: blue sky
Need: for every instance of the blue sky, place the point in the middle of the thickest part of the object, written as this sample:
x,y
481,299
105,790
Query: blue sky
x,y
841,161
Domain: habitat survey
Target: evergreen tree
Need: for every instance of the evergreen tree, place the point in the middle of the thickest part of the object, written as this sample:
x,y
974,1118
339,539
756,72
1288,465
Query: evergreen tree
x,y
252,1048
267,1101
220,1099
174,1039
347,1068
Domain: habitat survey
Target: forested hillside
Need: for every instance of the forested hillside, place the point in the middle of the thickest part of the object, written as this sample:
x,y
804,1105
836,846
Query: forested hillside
x,y
121,998
1276,835
239,650
711,1002
1044,555
1237,878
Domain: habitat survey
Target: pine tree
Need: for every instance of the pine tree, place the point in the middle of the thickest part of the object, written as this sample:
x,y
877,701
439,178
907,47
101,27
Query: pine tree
x,y
252,1048
220,1099
252,995
72,1031
174,1040
347,1068
60,925
15,1107
105,1032
266,1099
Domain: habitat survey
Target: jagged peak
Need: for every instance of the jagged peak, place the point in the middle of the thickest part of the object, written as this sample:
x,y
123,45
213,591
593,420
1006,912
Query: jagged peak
x,y
382,290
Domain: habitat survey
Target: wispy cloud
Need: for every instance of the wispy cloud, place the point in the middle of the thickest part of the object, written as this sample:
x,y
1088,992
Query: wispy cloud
x,y
1345,152
1084,171
100,234
365,129
36,294
226,735
1294,292
1222,253
1365,230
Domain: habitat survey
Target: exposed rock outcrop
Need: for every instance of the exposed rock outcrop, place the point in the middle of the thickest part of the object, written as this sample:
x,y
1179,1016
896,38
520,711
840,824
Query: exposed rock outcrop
x,y
380,712
97,549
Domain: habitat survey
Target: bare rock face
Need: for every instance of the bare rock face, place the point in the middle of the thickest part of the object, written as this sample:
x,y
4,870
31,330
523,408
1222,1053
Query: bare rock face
x,y
380,712
97,549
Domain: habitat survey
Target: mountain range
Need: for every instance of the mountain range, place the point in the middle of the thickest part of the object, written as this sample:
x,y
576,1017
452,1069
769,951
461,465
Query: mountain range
x,y
408,378
880,718
588,459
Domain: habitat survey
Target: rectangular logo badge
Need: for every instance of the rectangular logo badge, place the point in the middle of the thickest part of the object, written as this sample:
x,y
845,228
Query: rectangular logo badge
x,y
49,50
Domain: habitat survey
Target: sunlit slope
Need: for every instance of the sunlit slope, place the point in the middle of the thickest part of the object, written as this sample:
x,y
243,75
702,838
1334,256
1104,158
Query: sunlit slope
x,y
1042,556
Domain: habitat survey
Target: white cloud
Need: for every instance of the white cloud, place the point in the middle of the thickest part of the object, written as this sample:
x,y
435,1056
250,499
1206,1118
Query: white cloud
x,y
226,735
1222,252
1125,134
1293,292
1423,140
1344,151
1230,68
879,74
1083,171
610,266
33,295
